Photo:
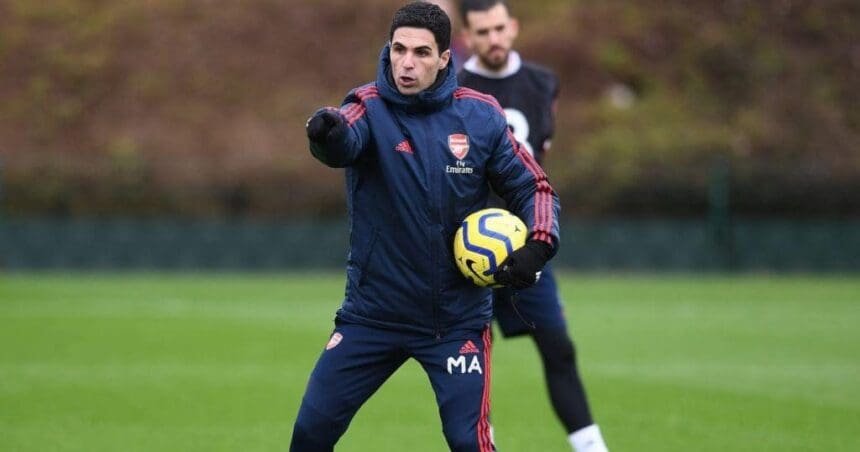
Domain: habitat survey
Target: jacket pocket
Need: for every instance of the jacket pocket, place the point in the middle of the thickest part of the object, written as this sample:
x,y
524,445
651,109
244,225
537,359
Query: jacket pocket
x,y
359,256
447,237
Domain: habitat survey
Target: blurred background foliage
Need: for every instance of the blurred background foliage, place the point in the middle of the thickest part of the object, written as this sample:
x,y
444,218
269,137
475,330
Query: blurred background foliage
x,y
197,108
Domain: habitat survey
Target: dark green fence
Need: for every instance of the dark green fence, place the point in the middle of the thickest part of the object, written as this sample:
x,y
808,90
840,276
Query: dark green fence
x,y
637,245
745,245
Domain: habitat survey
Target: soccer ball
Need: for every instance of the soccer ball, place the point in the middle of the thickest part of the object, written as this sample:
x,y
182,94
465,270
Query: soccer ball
x,y
484,240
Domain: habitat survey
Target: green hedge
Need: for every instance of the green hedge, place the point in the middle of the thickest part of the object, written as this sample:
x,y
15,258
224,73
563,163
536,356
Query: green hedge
x,y
197,108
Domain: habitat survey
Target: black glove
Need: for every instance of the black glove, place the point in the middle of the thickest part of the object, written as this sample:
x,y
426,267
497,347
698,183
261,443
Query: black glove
x,y
522,268
324,125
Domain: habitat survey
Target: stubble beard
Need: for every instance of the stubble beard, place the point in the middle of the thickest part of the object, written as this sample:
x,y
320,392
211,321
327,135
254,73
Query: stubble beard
x,y
495,65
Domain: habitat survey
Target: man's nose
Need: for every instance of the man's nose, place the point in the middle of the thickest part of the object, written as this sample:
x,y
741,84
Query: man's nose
x,y
495,37
408,61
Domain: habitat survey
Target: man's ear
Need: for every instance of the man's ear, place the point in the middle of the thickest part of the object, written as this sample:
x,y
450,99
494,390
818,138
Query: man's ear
x,y
515,27
444,58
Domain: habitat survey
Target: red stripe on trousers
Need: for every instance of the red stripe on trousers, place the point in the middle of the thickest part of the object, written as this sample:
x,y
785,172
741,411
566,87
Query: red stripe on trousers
x,y
485,442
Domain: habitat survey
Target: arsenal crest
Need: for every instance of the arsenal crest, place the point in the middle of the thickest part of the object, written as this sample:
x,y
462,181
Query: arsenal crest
x,y
459,145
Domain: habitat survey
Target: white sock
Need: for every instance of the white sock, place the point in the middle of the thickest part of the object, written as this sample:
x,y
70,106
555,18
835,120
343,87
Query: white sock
x,y
588,439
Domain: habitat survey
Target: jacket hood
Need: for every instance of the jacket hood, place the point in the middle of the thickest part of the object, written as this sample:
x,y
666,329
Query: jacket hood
x,y
437,95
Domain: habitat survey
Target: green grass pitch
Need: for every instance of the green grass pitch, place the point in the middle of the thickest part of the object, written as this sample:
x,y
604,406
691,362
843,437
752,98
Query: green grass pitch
x,y
218,362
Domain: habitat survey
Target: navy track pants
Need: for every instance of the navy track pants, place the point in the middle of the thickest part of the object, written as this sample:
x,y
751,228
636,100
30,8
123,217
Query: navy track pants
x,y
359,358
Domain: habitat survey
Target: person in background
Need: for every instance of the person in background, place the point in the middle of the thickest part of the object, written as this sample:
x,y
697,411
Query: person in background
x,y
528,94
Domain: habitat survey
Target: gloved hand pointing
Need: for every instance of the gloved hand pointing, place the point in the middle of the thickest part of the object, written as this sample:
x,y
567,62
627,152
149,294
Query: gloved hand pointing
x,y
325,124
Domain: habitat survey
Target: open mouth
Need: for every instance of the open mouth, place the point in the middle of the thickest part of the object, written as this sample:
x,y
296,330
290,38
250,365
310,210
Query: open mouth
x,y
406,81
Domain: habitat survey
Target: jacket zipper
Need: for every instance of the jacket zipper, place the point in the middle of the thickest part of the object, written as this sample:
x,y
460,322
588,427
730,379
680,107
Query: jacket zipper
x,y
436,193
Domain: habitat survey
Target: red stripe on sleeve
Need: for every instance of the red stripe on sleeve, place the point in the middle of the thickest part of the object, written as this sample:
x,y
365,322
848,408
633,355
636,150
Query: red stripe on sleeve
x,y
355,113
348,110
482,98
543,212
543,209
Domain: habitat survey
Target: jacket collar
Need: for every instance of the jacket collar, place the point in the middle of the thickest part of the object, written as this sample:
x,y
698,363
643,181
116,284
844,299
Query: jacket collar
x,y
434,97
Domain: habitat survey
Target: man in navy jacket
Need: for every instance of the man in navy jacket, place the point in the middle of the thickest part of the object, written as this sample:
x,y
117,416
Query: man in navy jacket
x,y
420,154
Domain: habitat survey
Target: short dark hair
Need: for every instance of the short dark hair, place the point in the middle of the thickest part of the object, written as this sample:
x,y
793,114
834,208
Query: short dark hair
x,y
424,15
467,6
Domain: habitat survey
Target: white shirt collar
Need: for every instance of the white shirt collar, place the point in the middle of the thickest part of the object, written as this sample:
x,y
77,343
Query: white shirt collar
x,y
514,65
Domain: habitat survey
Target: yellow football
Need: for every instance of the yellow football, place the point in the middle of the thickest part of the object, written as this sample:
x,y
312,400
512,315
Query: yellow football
x,y
484,240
